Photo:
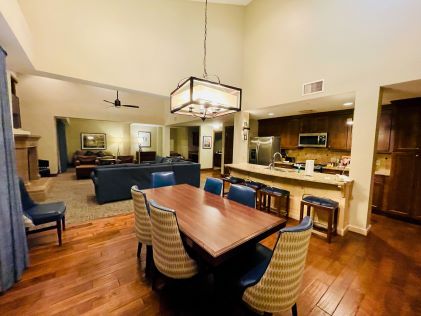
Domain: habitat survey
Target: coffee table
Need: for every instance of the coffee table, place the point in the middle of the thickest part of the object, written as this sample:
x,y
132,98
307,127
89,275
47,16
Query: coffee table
x,y
84,171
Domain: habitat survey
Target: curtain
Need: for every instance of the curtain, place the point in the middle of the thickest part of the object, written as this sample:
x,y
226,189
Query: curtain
x,y
13,247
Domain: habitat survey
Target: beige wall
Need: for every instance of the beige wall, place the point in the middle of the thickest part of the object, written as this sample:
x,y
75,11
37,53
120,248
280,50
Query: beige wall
x,y
117,133
43,99
205,155
156,138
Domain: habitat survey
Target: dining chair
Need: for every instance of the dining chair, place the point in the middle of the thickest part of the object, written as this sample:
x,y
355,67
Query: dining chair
x,y
272,284
242,194
43,213
169,255
143,226
214,186
163,179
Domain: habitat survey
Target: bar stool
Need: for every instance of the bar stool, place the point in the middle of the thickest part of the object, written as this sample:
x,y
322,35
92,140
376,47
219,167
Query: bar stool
x,y
266,195
231,180
256,186
324,205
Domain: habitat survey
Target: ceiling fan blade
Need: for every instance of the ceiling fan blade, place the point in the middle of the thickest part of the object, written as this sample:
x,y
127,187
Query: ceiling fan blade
x,y
130,106
108,101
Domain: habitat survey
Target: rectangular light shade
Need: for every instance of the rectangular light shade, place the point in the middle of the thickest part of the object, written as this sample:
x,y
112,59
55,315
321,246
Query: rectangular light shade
x,y
204,98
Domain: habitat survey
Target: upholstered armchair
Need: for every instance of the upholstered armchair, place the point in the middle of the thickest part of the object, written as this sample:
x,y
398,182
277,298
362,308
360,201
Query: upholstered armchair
x,y
163,179
214,186
169,255
243,195
143,227
272,284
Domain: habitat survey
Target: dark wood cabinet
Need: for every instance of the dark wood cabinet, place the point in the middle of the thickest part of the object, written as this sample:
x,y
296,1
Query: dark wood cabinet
x,y
407,115
314,124
339,133
270,127
384,137
416,204
380,192
404,179
290,128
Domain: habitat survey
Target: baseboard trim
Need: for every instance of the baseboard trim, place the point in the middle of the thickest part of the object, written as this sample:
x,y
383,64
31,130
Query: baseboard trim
x,y
359,230
206,169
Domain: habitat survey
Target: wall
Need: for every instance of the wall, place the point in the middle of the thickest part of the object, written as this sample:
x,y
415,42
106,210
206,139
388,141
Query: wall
x,y
205,155
156,138
117,133
42,99
151,51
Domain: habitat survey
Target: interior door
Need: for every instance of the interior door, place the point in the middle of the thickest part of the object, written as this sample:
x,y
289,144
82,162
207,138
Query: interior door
x,y
62,144
229,144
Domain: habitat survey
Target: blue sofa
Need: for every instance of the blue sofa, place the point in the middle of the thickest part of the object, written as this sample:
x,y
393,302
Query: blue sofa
x,y
113,183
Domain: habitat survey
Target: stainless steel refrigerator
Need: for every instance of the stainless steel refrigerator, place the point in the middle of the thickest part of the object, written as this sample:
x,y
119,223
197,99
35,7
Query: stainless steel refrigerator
x,y
261,149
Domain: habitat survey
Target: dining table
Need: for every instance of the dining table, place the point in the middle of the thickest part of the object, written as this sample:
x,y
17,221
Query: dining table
x,y
214,227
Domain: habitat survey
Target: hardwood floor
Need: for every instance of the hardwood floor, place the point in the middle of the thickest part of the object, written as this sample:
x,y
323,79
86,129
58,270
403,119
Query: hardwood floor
x,y
96,272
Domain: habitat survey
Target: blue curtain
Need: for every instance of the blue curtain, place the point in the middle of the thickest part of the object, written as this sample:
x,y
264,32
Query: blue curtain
x,y
13,247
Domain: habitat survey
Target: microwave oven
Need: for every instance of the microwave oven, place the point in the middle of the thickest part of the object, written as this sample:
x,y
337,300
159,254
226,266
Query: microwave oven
x,y
312,140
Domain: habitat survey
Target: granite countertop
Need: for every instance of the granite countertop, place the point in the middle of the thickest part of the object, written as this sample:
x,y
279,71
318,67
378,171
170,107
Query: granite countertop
x,y
292,174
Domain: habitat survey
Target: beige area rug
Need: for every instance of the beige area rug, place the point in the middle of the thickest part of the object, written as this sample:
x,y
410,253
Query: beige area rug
x,y
79,196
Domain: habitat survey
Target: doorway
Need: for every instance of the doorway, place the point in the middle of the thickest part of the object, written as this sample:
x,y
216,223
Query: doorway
x,y
62,144
217,151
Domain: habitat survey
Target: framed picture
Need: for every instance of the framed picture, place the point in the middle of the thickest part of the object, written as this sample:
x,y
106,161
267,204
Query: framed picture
x,y
207,142
93,141
144,139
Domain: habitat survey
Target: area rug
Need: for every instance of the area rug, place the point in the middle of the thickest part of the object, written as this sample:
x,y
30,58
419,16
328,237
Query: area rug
x,y
79,196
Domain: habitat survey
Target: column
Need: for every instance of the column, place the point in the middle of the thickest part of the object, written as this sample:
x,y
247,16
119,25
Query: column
x,y
240,153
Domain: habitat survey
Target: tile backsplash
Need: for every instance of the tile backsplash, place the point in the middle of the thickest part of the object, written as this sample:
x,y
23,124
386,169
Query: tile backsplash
x,y
320,155
383,161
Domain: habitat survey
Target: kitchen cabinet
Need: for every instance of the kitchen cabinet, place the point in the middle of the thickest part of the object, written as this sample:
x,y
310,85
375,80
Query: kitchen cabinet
x,y
339,133
385,132
270,127
290,128
380,192
314,124
407,115
405,185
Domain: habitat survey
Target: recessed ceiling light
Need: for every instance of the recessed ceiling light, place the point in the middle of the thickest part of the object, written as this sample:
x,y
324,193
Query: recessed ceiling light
x,y
348,103
271,114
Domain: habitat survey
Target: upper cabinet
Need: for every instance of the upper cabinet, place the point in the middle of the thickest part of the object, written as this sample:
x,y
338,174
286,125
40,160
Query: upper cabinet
x,y
290,128
314,124
339,133
384,137
407,115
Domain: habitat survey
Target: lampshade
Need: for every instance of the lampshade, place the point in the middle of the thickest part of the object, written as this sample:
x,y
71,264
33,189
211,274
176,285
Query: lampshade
x,y
205,99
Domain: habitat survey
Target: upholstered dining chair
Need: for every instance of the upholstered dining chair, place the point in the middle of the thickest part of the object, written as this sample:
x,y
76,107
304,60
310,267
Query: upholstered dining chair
x,y
272,284
163,179
169,255
242,194
214,186
143,226
43,213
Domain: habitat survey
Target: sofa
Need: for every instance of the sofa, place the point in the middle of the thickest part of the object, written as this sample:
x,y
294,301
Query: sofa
x,y
113,182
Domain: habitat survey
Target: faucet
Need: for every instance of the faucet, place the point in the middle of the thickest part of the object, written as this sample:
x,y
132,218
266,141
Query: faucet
x,y
272,164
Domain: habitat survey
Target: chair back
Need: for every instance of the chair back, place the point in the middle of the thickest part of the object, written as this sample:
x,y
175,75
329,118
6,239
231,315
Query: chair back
x,y
27,202
278,288
143,226
214,186
242,194
169,254
163,179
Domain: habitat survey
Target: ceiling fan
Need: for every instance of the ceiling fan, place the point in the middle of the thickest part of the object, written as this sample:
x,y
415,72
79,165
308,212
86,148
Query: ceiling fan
x,y
117,103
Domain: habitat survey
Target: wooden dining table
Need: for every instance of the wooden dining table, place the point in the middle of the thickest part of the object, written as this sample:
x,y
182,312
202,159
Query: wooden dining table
x,y
214,227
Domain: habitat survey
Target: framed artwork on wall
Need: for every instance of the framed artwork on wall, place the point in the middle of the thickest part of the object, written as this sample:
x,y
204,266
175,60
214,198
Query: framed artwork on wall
x,y
207,142
93,141
144,139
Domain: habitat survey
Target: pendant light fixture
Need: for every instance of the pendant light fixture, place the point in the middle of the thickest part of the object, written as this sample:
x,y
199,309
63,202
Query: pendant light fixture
x,y
203,98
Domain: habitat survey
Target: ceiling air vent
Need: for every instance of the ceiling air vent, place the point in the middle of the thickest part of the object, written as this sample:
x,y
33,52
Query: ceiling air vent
x,y
313,87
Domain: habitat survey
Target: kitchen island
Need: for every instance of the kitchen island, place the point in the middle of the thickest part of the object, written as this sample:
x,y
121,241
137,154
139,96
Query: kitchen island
x,y
319,184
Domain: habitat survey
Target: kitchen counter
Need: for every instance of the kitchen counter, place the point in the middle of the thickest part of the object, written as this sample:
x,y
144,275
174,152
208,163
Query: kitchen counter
x,y
298,184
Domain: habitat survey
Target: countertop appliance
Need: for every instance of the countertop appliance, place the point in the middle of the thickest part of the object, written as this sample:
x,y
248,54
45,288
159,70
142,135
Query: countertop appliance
x,y
302,166
261,149
312,140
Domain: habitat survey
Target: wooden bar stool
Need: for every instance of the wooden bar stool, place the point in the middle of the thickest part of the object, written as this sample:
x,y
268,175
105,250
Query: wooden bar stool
x,y
279,195
231,180
256,186
324,205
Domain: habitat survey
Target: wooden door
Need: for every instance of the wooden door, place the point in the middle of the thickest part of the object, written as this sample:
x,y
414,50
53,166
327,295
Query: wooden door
x,y
290,128
385,131
229,144
401,197
314,124
337,137
416,206
408,126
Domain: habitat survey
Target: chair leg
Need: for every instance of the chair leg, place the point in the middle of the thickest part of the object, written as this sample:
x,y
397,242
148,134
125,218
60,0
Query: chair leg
x,y
59,232
149,260
287,207
139,249
63,222
301,211
294,310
